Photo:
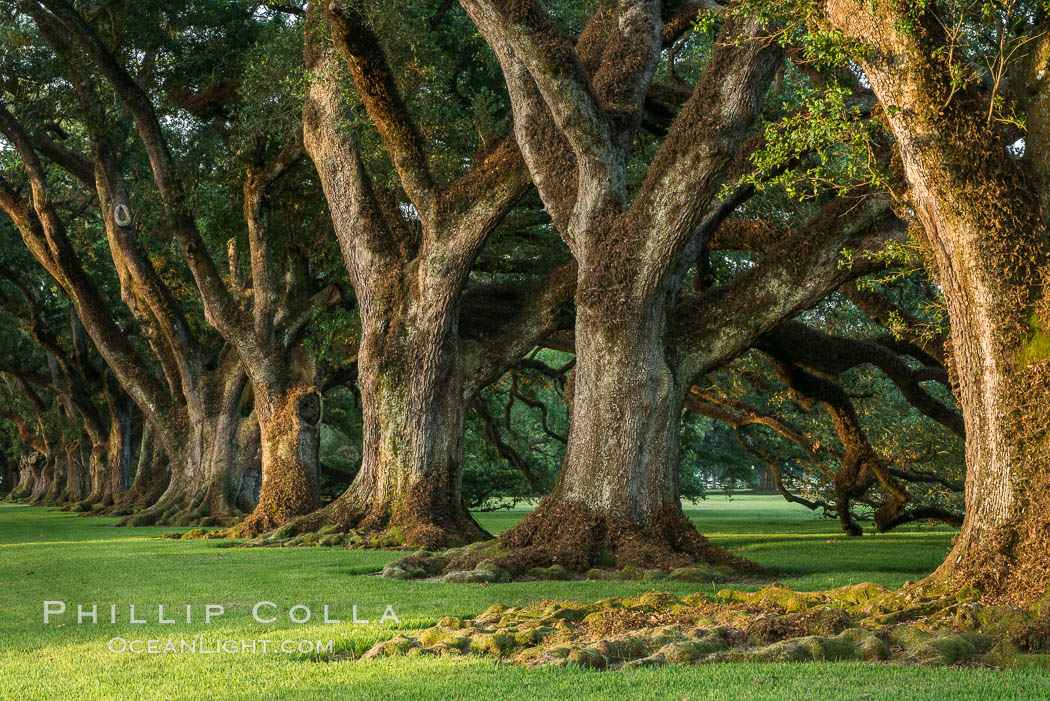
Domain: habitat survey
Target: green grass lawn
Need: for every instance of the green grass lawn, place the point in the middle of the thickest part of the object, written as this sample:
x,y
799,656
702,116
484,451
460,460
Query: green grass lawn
x,y
50,555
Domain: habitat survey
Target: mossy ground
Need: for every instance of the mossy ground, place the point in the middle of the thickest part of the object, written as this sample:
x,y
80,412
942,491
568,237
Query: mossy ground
x,y
488,561
862,622
47,554
326,536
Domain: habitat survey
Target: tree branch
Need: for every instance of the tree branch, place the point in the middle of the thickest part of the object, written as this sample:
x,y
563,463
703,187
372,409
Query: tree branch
x,y
535,319
360,49
833,355
723,322
219,306
369,246
45,236
256,187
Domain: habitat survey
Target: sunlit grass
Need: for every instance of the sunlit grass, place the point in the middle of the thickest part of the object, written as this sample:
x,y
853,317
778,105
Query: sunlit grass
x,y
50,555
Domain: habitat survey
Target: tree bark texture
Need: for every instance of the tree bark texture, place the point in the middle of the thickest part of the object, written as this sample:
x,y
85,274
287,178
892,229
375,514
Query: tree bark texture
x,y
980,211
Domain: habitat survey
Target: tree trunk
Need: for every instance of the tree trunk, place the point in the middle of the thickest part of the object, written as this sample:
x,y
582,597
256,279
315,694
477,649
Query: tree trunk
x,y
1004,390
1003,370
412,455
414,402
981,215
227,464
411,362
110,462
290,439
27,469
64,470
150,477
96,477
766,483
618,489
43,482
120,451
249,454
99,492
77,483
622,456
202,488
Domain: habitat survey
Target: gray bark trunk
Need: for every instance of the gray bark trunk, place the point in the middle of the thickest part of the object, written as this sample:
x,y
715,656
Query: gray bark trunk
x,y
28,466
414,400
203,487
618,490
150,476
622,457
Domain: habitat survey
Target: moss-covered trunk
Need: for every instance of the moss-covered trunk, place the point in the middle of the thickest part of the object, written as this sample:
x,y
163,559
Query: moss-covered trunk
x,y
77,478
150,475
414,403
28,464
249,455
618,494
412,459
120,453
409,272
96,472
44,480
290,438
766,483
192,482
109,465
622,456
114,478
980,209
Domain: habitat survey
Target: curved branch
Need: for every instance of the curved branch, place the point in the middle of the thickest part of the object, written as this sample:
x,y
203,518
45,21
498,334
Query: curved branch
x,y
882,311
219,305
526,330
806,346
719,325
360,49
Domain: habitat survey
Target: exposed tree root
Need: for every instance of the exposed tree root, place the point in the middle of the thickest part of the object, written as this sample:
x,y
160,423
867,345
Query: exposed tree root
x,y
93,505
206,508
569,541
575,537
142,495
861,622
1011,568
346,521
487,561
